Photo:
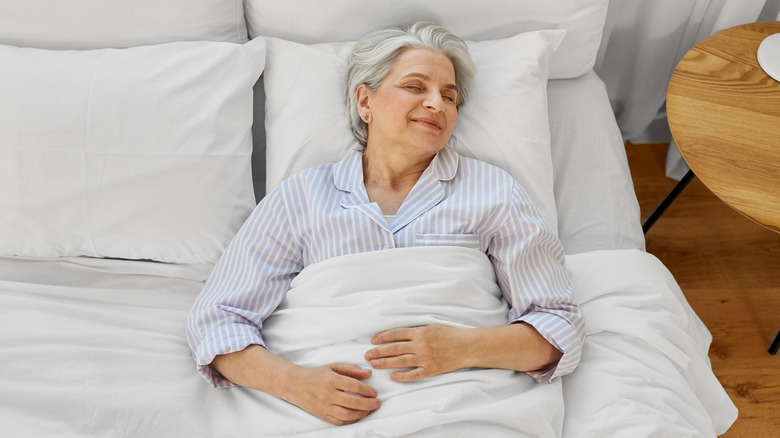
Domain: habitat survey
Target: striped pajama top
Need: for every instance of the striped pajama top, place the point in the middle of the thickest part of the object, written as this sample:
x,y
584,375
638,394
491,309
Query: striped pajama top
x,y
324,212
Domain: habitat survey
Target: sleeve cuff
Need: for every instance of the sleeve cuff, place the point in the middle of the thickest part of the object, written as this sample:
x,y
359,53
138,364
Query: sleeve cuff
x,y
563,336
223,340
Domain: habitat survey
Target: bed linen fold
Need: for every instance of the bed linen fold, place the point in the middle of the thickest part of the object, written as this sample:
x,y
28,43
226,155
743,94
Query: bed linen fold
x,y
103,354
335,306
645,351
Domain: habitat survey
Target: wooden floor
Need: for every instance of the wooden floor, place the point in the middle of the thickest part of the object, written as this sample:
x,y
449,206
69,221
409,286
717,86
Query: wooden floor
x,y
729,269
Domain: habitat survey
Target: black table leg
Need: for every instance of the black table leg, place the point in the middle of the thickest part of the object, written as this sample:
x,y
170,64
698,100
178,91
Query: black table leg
x,y
775,344
668,201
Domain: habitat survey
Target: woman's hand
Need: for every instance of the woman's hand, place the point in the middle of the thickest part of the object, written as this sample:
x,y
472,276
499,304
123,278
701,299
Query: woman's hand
x,y
428,350
436,349
335,393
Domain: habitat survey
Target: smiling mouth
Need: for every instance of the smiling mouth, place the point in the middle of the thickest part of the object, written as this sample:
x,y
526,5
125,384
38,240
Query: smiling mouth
x,y
433,124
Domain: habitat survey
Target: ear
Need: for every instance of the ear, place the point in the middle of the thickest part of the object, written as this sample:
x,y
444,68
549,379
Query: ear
x,y
362,95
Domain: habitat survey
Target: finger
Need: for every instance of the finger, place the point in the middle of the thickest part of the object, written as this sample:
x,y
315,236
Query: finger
x,y
356,387
356,402
389,350
409,375
392,335
351,370
341,416
348,383
402,361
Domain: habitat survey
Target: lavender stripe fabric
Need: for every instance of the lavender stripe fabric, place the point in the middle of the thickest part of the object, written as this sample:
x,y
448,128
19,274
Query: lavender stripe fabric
x,y
324,212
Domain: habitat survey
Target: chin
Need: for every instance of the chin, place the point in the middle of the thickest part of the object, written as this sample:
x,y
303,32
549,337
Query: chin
x,y
432,146
432,149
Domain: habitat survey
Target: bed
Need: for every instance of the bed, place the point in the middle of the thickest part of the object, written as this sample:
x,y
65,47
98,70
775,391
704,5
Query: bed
x,y
136,137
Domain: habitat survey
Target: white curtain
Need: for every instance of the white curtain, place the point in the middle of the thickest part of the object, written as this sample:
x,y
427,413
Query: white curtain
x,y
644,40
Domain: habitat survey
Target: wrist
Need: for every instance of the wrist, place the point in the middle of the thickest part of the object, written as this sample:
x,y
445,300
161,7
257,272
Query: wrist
x,y
285,381
517,346
473,354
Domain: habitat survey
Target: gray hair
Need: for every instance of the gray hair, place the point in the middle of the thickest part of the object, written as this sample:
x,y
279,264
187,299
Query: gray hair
x,y
373,56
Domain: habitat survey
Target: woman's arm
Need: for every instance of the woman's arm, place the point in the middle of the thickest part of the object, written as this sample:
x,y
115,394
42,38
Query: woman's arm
x,y
545,336
528,260
437,349
333,393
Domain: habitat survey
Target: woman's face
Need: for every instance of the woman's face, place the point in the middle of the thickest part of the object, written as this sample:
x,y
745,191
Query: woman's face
x,y
415,106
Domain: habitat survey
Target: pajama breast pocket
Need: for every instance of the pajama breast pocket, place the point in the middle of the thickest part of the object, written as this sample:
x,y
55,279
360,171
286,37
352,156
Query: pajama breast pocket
x,y
465,240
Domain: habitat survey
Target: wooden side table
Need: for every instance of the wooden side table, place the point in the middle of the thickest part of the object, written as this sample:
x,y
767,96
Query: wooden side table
x,y
724,114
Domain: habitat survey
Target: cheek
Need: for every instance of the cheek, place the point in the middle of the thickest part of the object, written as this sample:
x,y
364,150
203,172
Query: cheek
x,y
399,97
396,105
452,120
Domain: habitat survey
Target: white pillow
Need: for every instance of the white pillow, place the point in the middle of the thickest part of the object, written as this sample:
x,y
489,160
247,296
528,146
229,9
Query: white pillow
x,y
98,24
139,153
317,21
505,121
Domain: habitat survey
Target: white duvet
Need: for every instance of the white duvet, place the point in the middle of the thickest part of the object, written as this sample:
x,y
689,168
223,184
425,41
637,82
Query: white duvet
x,y
96,348
334,307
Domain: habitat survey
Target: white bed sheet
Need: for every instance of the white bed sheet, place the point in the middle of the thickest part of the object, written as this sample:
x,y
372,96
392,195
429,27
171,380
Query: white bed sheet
x,y
594,193
97,348
645,371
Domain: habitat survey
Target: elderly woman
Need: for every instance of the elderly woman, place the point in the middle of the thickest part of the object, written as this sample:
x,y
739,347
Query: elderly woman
x,y
403,89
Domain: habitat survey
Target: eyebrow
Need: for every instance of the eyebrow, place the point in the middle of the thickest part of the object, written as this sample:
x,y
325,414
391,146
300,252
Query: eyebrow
x,y
425,77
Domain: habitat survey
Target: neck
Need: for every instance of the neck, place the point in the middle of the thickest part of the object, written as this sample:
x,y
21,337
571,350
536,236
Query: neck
x,y
389,177
392,169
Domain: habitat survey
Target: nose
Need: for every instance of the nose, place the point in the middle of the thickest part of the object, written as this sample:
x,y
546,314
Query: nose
x,y
434,101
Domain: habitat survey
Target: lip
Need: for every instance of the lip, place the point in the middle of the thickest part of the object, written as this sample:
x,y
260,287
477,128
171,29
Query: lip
x,y
430,123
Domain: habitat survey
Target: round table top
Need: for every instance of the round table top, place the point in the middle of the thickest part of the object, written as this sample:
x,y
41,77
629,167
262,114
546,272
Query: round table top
x,y
724,114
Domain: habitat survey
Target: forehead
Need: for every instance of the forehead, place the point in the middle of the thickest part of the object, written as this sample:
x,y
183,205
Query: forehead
x,y
425,62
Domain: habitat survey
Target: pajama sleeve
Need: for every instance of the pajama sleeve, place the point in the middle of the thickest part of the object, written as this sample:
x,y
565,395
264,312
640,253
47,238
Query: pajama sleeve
x,y
529,263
